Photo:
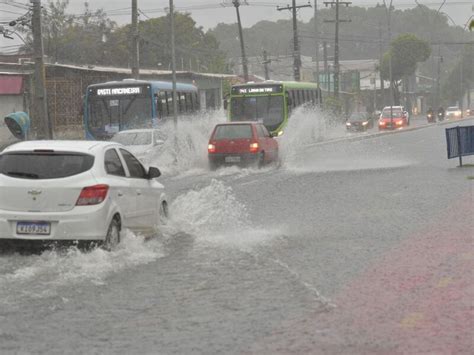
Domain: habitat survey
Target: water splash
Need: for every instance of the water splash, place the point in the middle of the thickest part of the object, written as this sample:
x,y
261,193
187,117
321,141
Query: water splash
x,y
214,215
186,150
314,141
307,125
45,274
212,209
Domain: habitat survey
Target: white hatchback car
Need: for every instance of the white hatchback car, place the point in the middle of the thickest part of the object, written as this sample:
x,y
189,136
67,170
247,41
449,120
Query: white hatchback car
x,y
140,142
453,112
76,191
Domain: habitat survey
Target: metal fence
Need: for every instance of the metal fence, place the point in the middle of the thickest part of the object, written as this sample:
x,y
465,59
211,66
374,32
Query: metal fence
x,y
65,104
460,142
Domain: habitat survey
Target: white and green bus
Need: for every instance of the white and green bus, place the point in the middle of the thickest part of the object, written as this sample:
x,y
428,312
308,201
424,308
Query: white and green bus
x,y
270,102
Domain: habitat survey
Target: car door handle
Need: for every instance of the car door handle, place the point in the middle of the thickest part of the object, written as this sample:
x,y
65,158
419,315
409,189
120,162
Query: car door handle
x,y
139,192
120,194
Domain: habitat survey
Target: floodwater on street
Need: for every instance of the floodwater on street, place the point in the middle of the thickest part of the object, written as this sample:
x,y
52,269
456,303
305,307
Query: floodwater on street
x,y
304,257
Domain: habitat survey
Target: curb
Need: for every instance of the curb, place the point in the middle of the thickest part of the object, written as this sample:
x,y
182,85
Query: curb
x,y
380,134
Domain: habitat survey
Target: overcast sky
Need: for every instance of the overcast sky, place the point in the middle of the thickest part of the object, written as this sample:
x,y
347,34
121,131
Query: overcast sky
x,y
208,13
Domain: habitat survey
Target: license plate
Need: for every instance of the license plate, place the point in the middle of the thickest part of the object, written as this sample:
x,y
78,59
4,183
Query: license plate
x,y
232,159
33,228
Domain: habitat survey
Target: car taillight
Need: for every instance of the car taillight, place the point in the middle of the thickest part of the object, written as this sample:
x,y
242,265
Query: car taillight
x,y
211,148
254,147
92,195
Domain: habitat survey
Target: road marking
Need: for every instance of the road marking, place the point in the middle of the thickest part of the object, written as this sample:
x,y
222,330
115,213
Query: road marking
x,y
444,282
412,320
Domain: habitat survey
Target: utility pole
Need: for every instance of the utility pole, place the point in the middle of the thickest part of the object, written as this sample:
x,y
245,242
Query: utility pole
x,y
173,70
326,69
382,89
389,17
316,39
135,50
336,3
296,50
265,65
440,60
40,104
236,3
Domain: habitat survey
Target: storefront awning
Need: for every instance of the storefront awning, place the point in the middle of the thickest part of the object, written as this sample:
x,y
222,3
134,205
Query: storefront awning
x,y
11,84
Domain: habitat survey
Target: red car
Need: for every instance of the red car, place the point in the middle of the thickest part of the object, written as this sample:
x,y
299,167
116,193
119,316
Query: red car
x,y
399,119
241,143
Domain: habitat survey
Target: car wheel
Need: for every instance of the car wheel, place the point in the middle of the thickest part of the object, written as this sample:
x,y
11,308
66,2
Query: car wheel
x,y
212,165
112,239
164,212
261,159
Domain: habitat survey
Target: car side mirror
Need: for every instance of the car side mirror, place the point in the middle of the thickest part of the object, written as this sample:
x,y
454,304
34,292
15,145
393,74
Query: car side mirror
x,y
153,173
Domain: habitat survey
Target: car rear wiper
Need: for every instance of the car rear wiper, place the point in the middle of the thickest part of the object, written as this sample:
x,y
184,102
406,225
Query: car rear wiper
x,y
23,174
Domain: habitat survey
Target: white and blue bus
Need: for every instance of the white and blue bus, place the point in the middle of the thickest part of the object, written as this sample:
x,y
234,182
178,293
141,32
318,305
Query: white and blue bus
x,y
119,105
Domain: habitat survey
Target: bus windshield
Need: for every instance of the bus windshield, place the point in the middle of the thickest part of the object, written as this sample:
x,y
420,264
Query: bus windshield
x,y
108,115
268,109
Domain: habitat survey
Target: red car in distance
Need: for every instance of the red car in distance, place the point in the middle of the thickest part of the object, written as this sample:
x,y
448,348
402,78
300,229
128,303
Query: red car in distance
x,y
241,143
393,119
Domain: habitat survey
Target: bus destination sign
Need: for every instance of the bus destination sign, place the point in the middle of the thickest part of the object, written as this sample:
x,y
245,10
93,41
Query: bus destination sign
x,y
133,90
244,90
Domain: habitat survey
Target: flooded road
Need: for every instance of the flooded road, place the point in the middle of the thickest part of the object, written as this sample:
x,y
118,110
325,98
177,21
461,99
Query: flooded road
x,y
353,247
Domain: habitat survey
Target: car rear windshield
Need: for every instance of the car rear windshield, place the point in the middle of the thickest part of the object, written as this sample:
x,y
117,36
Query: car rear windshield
x,y
358,116
44,165
395,113
234,131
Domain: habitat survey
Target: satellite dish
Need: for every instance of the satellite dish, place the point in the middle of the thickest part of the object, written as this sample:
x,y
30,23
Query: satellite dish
x,y
18,123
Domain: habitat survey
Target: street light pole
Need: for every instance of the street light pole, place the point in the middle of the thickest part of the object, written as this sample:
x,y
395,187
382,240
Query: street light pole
x,y
173,67
316,39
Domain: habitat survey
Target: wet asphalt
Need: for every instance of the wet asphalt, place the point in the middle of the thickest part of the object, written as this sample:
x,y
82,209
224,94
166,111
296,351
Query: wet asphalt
x,y
340,250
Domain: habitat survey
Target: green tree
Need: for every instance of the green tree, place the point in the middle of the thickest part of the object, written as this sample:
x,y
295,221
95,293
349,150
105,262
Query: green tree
x,y
405,52
195,49
460,77
72,39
